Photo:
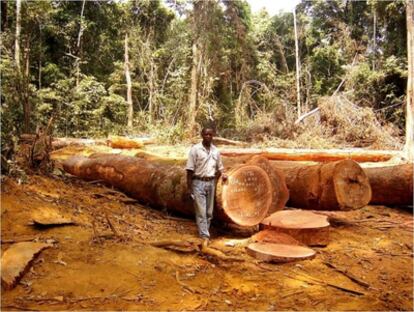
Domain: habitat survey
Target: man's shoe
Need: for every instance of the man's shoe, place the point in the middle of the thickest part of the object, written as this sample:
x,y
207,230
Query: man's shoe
x,y
205,242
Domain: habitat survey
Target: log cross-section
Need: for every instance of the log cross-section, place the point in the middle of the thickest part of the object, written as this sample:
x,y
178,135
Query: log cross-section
x,y
244,198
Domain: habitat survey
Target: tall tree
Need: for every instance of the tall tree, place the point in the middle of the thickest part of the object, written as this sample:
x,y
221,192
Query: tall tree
x,y
129,85
17,37
409,130
297,63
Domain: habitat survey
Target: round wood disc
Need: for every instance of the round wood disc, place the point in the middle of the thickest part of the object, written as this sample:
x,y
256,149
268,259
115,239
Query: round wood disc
x,y
247,195
296,219
269,236
279,252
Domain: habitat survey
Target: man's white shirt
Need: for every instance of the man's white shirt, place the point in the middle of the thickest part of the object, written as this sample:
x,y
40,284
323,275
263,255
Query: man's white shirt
x,y
204,162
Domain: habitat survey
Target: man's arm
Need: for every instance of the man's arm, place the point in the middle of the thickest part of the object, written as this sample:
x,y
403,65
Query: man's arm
x,y
189,181
220,169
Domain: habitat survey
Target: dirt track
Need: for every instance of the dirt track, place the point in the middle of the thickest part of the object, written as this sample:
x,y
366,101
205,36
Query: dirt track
x,y
89,268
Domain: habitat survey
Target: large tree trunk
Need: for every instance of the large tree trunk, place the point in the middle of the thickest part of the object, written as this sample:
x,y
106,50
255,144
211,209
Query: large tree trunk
x,y
244,199
4,17
340,185
409,129
129,86
391,186
17,38
312,155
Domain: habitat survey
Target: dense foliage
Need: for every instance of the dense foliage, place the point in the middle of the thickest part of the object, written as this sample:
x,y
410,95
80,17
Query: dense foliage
x,y
237,68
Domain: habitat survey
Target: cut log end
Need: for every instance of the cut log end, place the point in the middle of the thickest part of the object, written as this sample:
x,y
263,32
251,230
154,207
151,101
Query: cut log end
x,y
352,186
279,252
247,195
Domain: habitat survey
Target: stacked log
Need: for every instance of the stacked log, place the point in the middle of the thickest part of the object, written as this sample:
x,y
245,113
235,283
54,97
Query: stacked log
x,y
244,199
340,185
392,185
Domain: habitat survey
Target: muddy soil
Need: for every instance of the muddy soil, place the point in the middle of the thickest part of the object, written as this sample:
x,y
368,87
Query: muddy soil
x,y
95,267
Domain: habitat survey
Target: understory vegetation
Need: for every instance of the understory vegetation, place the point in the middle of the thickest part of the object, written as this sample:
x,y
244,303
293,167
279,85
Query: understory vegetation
x,y
166,68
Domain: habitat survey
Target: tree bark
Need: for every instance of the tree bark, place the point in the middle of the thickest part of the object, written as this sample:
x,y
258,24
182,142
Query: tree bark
x,y
409,128
391,186
280,49
129,86
244,199
340,185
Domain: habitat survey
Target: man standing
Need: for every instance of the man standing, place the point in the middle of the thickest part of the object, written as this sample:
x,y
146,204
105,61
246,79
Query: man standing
x,y
204,167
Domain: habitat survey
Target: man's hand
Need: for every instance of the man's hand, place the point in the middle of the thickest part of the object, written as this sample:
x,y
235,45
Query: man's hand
x,y
224,177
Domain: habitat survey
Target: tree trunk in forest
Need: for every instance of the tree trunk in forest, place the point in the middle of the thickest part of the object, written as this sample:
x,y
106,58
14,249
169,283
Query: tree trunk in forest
x,y
409,128
192,109
244,199
129,86
4,16
312,155
17,38
340,185
281,51
152,100
25,86
78,43
374,39
297,64
391,186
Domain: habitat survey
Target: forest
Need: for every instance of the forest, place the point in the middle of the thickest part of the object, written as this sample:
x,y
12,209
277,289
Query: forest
x,y
197,155
166,68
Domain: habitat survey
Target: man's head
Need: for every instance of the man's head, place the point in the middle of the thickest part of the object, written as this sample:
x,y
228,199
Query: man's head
x,y
207,134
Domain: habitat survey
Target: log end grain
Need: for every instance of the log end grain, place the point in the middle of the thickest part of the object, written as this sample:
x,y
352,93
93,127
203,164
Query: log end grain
x,y
246,196
351,185
279,252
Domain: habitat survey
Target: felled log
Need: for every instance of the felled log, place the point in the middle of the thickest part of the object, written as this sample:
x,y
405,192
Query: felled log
x,y
307,227
224,141
279,252
277,178
58,143
358,155
340,185
125,142
392,185
244,198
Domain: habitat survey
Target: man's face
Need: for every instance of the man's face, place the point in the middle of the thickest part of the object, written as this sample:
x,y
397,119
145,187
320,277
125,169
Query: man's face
x,y
207,135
